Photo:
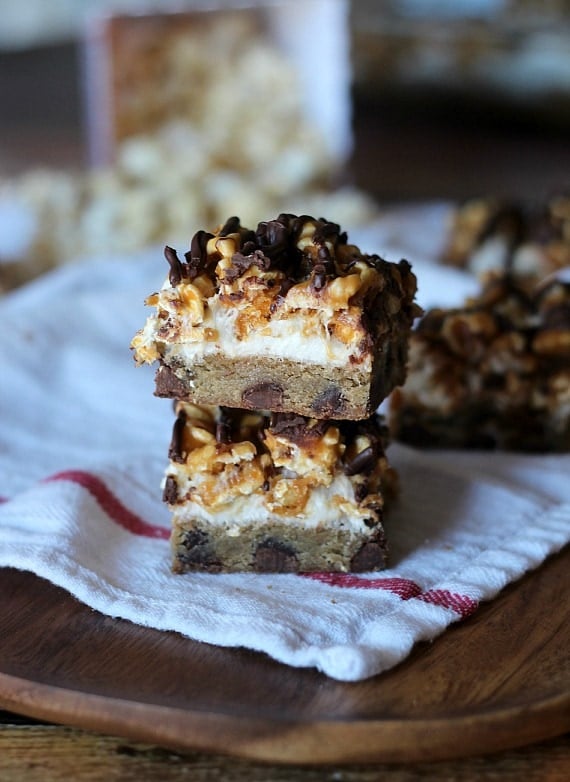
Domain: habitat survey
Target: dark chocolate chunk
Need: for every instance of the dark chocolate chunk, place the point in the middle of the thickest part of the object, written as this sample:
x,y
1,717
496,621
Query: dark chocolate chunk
x,y
326,259
284,287
263,396
168,385
274,556
248,247
329,403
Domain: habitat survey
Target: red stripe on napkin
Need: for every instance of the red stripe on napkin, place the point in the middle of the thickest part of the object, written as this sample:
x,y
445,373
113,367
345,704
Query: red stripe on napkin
x,y
461,604
112,506
403,587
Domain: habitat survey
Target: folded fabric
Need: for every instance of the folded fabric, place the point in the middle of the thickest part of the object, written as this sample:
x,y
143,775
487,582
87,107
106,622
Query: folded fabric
x,y
83,445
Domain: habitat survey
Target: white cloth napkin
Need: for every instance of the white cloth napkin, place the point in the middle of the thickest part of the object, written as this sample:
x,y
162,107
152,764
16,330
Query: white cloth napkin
x,y
83,443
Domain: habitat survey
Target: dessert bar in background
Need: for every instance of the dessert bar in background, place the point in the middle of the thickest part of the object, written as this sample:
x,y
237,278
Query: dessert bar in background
x,y
493,234
276,492
288,317
492,374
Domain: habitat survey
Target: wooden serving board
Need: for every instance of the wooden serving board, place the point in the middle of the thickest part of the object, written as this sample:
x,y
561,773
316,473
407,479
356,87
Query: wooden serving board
x,y
499,680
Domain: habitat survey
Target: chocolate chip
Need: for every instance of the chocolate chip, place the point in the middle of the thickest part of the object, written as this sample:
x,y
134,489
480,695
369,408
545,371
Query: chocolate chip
x,y
195,552
231,226
371,556
168,385
249,247
296,428
175,275
325,231
197,257
318,278
274,556
170,493
224,427
363,462
273,238
175,451
329,403
263,396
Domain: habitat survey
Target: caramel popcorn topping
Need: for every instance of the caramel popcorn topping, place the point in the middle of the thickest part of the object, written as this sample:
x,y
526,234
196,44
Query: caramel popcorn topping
x,y
245,282
218,454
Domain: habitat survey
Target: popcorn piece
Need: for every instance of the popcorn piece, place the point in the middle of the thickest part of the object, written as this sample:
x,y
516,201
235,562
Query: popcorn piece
x,y
289,317
250,490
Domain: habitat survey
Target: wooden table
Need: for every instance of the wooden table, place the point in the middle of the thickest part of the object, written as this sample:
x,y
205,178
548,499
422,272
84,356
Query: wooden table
x,y
51,753
498,680
395,160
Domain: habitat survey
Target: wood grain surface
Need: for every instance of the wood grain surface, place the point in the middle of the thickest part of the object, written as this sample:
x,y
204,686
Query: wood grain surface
x,y
50,753
499,680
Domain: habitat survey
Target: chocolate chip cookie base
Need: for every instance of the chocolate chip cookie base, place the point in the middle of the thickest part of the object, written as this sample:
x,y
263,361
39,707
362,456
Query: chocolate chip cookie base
x,y
281,385
275,548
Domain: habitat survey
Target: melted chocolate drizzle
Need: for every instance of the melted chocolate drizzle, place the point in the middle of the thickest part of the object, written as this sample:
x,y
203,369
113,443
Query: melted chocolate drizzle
x,y
273,245
176,273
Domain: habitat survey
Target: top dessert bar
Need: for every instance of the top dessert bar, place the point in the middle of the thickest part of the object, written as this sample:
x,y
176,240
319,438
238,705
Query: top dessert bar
x,y
499,235
288,317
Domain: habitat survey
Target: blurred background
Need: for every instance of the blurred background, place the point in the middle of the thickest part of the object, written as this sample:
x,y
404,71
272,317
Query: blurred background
x,y
120,127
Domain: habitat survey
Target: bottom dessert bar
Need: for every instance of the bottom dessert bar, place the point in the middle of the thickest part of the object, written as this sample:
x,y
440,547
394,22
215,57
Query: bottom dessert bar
x,y
274,492
493,374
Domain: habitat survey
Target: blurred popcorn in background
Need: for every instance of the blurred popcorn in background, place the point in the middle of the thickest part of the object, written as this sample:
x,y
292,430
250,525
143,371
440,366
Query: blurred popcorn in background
x,y
195,117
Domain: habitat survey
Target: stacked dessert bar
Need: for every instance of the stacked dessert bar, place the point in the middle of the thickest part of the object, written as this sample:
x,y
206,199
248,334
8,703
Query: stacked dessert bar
x,y
277,345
